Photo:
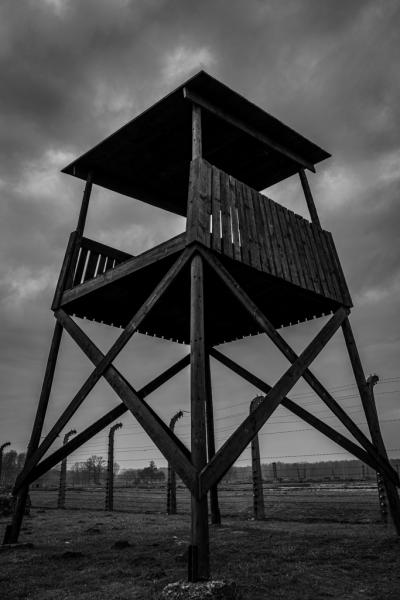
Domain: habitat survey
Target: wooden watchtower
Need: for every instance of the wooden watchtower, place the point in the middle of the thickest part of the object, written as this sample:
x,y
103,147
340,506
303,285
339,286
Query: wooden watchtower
x,y
244,265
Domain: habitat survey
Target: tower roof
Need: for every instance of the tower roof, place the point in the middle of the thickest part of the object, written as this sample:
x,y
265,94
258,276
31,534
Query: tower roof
x,y
149,157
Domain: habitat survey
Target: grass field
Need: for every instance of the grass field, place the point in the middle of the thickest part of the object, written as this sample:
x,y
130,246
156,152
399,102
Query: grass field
x,y
91,555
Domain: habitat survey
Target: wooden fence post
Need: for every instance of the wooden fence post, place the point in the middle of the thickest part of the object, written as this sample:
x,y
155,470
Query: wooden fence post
x,y
258,493
171,482
274,472
1,457
110,468
63,473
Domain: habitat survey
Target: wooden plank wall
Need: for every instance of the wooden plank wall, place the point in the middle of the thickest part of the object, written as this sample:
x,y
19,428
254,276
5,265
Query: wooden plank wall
x,y
94,259
233,219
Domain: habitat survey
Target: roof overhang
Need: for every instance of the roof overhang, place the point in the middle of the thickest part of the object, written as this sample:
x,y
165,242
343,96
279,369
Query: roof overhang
x,y
149,157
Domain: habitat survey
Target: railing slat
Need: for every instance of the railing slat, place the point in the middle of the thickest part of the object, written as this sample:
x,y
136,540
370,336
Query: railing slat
x,y
234,219
216,210
226,217
80,266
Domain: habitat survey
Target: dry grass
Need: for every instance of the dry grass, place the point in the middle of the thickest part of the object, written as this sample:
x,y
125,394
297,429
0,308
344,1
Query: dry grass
x,y
74,558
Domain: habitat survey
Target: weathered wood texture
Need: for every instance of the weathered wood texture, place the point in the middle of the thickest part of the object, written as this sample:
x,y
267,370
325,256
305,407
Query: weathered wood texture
x,y
235,220
199,558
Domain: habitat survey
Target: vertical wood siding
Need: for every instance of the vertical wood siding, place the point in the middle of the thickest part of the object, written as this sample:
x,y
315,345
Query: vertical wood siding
x,y
233,219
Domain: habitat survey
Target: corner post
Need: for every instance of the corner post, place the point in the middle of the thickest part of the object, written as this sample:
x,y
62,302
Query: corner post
x,y
13,530
258,493
309,198
214,504
198,567
371,415
63,473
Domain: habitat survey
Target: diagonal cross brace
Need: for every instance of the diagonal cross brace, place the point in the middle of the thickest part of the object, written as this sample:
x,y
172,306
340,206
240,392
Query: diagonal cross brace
x,y
243,435
284,347
81,438
299,411
106,360
167,442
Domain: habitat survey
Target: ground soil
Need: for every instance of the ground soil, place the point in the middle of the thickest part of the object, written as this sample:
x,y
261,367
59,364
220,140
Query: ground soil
x,y
83,555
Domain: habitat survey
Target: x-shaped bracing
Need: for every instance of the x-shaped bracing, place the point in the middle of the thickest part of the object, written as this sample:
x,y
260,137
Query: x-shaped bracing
x,y
172,448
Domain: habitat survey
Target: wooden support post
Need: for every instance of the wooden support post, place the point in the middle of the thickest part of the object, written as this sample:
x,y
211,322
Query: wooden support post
x,y
368,402
258,492
196,132
171,482
110,468
63,473
1,457
199,567
12,530
214,503
309,199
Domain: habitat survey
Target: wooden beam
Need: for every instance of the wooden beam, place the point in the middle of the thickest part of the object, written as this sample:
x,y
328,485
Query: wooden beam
x,y
309,198
107,359
199,556
277,339
243,435
83,437
85,205
246,128
297,410
368,402
196,132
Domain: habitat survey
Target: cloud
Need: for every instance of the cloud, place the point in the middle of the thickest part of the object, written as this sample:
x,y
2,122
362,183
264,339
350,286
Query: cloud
x,y
183,61
72,73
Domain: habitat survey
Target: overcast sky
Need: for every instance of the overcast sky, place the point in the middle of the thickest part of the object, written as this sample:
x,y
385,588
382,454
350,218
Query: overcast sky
x,y
72,72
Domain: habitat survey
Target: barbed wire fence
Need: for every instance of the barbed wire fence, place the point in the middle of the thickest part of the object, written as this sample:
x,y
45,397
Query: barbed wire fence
x,y
316,486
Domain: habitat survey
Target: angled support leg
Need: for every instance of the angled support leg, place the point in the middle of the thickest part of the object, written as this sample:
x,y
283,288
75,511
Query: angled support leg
x,y
199,559
243,435
12,531
284,347
371,414
297,410
214,504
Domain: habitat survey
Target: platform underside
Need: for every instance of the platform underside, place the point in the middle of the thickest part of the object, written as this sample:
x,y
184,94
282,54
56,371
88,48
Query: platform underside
x,y
116,302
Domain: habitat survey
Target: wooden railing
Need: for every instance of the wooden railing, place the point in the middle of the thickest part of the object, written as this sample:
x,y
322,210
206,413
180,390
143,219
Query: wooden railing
x,y
94,259
239,222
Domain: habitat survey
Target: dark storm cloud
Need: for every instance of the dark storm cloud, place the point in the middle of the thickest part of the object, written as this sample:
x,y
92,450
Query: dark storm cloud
x,y
71,73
